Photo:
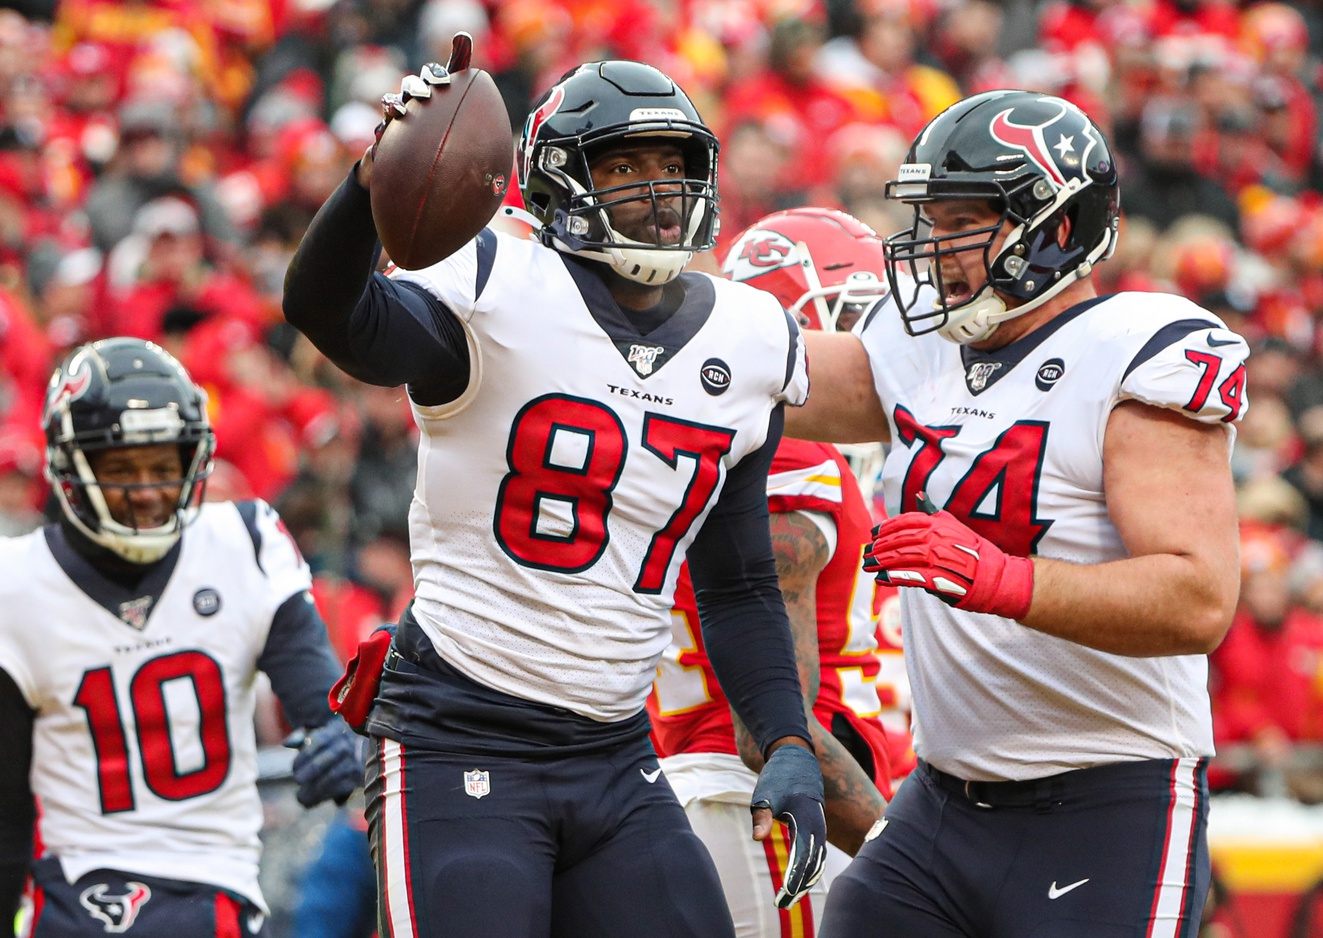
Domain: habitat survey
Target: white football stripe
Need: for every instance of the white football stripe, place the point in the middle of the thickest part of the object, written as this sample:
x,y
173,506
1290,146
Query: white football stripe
x,y
1174,874
395,838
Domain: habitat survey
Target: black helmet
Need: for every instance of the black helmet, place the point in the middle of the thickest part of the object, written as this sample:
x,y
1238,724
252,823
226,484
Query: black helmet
x,y
119,393
1037,158
590,109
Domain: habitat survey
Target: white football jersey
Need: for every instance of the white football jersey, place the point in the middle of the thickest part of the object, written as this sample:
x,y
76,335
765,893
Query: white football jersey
x,y
1011,442
144,755
557,496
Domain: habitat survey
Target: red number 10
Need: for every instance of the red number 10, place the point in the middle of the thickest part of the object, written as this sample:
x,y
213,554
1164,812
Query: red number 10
x,y
96,696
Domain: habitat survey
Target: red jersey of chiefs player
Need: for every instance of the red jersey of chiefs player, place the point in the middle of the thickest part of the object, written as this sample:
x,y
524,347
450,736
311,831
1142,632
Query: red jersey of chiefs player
x,y
824,267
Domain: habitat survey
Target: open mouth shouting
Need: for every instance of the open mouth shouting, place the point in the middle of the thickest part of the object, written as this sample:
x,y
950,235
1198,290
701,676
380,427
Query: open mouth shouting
x,y
955,289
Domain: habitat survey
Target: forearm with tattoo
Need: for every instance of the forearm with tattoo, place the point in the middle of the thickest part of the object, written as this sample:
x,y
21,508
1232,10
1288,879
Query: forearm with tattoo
x,y
853,801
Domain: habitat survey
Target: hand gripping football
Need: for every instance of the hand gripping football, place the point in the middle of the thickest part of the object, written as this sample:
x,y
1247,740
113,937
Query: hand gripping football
x,y
442,162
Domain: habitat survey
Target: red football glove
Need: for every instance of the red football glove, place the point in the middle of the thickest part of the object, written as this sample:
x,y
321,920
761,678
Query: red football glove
x,y
933,550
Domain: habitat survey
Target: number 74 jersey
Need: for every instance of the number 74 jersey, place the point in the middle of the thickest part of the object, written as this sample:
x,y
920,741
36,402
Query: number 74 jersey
x,y
1011,442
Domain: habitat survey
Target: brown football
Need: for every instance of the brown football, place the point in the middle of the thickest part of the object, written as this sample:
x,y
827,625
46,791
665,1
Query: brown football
x,y
441,171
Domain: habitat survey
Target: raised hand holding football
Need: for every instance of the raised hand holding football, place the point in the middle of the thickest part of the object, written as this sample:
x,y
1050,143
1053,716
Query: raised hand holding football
x,y
442,161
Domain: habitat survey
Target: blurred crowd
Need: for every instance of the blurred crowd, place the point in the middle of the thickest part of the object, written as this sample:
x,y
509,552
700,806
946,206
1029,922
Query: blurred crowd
x,y
160,160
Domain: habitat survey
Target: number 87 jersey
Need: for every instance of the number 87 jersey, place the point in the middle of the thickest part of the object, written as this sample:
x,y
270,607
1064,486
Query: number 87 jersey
x,y
1010,441
558,494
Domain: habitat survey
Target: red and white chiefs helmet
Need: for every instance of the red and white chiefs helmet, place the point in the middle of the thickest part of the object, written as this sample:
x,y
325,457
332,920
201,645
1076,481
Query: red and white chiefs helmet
x,y
816,261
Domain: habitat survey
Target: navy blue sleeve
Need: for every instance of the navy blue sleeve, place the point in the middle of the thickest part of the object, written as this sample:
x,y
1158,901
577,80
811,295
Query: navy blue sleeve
x,y
375,329
299,661
19,817
743,618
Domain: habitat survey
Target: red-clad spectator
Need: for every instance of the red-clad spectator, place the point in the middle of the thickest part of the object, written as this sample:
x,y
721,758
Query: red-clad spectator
x,y
1289,122
1267,675
26,354
262,416
877,70
791,91
167,249
129,27
80,136
1065,25
965,40
1192,18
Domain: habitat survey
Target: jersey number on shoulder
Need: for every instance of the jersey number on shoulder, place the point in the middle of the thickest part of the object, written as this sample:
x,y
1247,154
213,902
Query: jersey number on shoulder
x,y
151,720
1231,391
566,455
1011,467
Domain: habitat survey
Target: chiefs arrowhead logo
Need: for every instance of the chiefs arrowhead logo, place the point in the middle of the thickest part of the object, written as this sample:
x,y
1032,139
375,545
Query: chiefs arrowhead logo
x,y
759,252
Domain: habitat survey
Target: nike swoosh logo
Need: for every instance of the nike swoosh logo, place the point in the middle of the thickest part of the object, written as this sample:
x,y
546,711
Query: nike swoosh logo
x,y
650,777
1217,343
1054,893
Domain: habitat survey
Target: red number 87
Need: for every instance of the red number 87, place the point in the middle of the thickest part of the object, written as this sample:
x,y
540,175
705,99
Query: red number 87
x,y
566,455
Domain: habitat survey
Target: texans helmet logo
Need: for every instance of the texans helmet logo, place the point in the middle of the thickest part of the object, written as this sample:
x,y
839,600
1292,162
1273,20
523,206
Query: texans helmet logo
x,y
535,122
1029,141
1060,146
116,913
73,384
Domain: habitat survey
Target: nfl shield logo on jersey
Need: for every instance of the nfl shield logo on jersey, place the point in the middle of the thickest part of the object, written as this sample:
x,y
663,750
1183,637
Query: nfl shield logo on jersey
x,y
134,612
116,913
477,783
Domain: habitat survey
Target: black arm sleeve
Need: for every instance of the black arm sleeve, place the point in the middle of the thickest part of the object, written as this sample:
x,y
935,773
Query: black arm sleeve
x,y
299,661
19,816
745,628
377,330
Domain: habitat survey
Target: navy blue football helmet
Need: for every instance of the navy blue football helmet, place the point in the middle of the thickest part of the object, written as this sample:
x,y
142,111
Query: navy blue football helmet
x,y
592,108
116,393
1038,159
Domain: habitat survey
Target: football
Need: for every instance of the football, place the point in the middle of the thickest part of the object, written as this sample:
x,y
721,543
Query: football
x,y
442,168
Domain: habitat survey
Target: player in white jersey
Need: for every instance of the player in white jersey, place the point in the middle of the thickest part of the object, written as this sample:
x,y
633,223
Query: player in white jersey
x,y
130,637
1059,607
589,414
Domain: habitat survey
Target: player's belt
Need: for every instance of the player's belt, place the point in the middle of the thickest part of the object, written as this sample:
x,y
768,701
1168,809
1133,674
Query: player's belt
x,y
1040,794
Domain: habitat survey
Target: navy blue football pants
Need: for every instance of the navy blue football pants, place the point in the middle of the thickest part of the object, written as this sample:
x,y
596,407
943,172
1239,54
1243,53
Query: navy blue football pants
x,y
113,902
580,846
1117,851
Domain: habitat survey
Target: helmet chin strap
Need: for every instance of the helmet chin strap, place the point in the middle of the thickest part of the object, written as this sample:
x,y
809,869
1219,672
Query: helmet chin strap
x,y
980,316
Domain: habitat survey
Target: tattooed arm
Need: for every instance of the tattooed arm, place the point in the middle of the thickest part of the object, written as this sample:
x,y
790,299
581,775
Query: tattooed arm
x,y
853,801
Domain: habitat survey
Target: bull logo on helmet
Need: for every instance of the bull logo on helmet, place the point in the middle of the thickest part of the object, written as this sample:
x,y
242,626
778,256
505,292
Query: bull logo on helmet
x,y
69,384
535,122
1074,141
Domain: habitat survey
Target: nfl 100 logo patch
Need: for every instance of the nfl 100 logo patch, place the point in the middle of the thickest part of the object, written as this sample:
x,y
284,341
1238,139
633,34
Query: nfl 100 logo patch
x,y
644,358
477,783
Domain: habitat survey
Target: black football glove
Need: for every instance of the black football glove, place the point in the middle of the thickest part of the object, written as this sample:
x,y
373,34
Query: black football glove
x,y
790,785
420,85
329,764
